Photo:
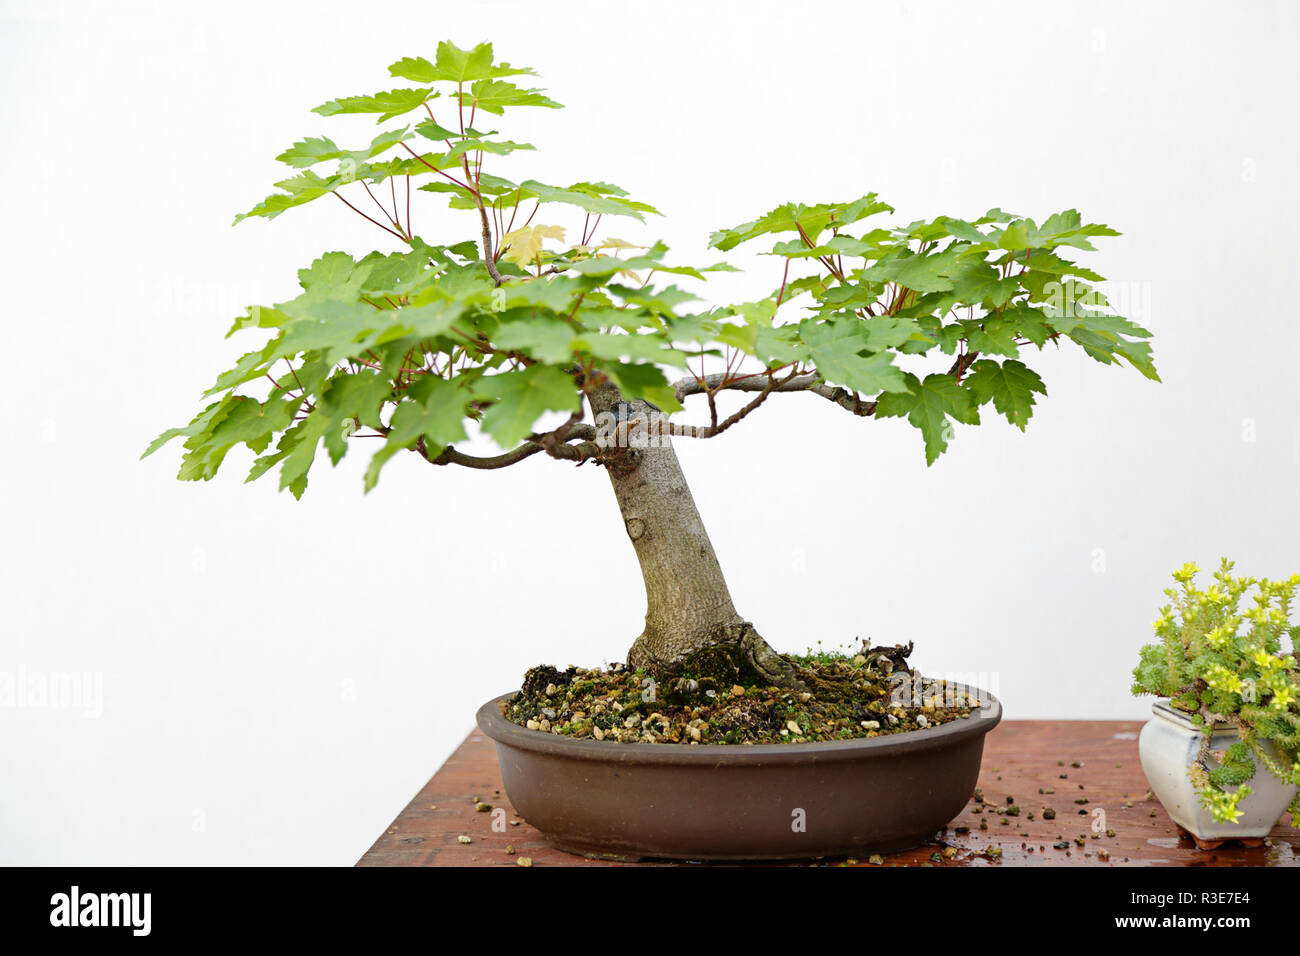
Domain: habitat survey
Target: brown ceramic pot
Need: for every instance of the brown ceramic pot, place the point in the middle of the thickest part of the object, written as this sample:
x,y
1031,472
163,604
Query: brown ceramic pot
x,y
736,802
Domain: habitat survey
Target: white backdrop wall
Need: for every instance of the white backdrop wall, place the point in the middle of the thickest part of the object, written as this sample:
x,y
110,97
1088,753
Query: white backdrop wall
x,y
270,681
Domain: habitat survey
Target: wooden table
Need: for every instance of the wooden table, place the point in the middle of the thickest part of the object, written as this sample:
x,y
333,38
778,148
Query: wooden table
x,y
1076,768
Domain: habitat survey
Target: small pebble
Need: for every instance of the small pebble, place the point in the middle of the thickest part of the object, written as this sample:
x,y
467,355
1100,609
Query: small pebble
x,y
463,839
525,861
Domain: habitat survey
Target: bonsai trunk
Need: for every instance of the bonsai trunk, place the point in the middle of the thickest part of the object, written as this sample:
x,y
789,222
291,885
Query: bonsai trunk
x,y
690,624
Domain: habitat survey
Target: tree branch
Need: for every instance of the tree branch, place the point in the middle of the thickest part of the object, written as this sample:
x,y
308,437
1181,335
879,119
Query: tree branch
x,y
489,252
963,362
553,443
813,383
710,431
450,456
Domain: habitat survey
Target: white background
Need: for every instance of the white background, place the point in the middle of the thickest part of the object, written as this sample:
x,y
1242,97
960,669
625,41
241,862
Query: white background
x,y
279,678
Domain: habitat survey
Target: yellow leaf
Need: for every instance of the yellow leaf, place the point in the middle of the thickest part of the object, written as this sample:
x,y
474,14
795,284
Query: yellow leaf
x,y
523,246
613,243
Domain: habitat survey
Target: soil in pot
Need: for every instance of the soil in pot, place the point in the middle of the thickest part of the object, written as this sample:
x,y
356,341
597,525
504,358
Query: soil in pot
x,y
845,696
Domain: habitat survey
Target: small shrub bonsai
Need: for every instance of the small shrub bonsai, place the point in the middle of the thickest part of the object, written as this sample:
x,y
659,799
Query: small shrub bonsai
x,y
554,340
1227,668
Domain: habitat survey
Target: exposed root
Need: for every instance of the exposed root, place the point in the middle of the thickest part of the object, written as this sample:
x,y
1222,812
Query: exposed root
x,y
735,653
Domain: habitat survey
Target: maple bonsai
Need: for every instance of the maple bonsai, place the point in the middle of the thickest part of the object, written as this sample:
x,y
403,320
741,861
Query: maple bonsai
x,y
499,332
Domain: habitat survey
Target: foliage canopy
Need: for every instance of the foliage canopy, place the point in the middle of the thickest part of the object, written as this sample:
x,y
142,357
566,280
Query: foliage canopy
x,y
515,319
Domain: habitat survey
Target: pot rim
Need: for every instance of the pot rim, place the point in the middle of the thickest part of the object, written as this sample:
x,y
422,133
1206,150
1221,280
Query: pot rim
x,y
1164,709
503,731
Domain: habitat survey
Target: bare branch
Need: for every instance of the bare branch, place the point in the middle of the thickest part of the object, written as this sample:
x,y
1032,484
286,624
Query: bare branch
x,y
553,443
711,431
849,401
963,362
450,456
759,383
489,251
749,383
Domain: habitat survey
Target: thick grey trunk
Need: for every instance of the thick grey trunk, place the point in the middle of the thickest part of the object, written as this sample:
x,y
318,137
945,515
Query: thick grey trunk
x,y
688,606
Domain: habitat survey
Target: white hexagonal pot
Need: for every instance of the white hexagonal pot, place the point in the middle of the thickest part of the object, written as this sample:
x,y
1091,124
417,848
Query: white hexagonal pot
x,y
1168,744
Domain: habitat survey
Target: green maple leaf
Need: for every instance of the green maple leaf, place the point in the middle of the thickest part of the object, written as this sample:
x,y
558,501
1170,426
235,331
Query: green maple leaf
x,y
493,96
648,346
200,424
434,409
314,149
545,339
839,350
299,189
923,273
643,381
454,65
974,281
888,332
1010,386
811,221
929,405
387,104
1016,235
600,198
520,398
992,336
967,232
234,419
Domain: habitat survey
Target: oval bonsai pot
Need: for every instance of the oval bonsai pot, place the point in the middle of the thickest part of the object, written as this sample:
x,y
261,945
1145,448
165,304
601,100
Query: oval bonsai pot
x,y
1169,742
740,802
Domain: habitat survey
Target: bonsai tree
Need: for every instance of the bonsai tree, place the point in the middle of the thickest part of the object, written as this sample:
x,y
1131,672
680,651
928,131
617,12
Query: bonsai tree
x,y
554,339
1228,668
